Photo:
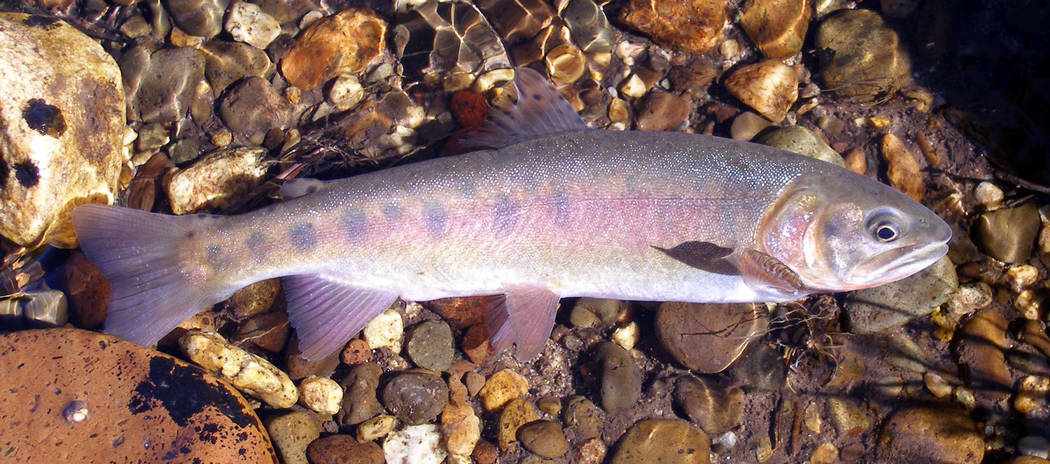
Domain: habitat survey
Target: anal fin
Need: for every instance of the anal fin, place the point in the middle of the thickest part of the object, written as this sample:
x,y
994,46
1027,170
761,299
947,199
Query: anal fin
x,y
525,317
326,311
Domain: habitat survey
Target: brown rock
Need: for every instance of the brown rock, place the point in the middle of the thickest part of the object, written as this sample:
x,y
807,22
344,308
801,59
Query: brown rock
x,y
268,331
654,441
724,330
543,438
982,342
476,343
903,169
863,57
252,106
621,379
299,368
770,87
927,434
292,433
343,449
693,26
356,352
343,43
88,292
777,27
217,180
514,415
663,111
359,400
501,388
485,452
710,403
255,299
461,312
1008,234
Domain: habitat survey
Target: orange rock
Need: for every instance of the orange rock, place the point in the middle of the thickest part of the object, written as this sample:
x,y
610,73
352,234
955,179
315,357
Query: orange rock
x,y
469,108
777,27
461,312
903,169
692,25
356,352
476,343
343,43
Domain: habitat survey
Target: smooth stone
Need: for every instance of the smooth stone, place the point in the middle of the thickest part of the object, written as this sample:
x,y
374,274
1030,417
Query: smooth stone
x,y
724,330
693,26
292,433
621,379
227,62
902,168
217,180
299,368
603,310
161,85
980,351
88,291
385,331
930,434
61,128
415,397
343,43
863,59
198,17
543,438
800,140
847,417
776,27
414,444
253,106
583,417
247,23
877,309
589,26
1008,234
268,331
769,87
514,415
343,449
430,345
359,400
747,125
710,403
250,373
662,111
653,441
760,369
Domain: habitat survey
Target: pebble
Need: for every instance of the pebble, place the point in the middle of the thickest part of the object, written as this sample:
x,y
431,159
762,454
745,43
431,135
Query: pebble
x,y
583,417
385,331
777,27
710,403
320,394
253,107
1021,277
1044,234
356,352
161,85
247,23
198,17
602,311
694,26
877,309
460,427
414,444
292,433
826,453
653,441
903,170
930,434
343,449
936,384
543,438
227,62
747,125
865,59
621,383
217,180
254,299
345,92
565,64
1031,394
982,342
988,195
87,290
769,86
800,140
247,372
626,336
724,330
485,453
359,399
299,368
857,161
1008,234
63,128
415,397
501,388
268,331
476,344
550,405
847,417
43,308
430,345
343,43
761,369
376,428
662,111
515,414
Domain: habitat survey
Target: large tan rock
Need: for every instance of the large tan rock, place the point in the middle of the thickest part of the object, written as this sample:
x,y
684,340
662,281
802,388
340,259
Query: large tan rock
x,y
61,127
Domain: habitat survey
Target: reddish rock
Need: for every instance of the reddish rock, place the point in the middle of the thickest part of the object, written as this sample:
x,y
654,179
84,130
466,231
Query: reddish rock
x,y
343,43
356,352
343,449
88,292
693,26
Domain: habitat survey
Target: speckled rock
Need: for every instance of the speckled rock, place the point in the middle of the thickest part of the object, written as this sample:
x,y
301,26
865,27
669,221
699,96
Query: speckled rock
x,y
227,62
876,309
359,400
926,434
514,415
693,26
415,444
777,27
320,394
583,417
501,388
126,394
621,378
429,345
292,433
60,145
710,403
217,180
543,438
415,397
769,86
863,57
800,140
653,441
343,43
385,331
255,299
724,330
198,17
248,372
161,85
1008,234
247,23
343,449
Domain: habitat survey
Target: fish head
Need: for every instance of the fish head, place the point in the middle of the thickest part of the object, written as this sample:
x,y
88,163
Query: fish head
x,y
844,231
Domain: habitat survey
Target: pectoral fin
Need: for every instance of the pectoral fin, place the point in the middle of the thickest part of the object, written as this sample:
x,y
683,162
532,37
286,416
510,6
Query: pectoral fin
x,y
766,273
525,317
326,312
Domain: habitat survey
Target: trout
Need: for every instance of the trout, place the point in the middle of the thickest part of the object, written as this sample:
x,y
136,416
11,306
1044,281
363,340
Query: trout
x,y
549,209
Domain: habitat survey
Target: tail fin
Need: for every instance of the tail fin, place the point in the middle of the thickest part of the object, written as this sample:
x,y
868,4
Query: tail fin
x,y
136,252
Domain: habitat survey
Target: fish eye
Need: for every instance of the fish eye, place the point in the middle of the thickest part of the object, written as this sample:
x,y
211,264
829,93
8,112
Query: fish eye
x,y
886,232
884,225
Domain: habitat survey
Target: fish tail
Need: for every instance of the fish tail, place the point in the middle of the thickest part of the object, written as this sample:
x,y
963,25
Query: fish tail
x,y
139,253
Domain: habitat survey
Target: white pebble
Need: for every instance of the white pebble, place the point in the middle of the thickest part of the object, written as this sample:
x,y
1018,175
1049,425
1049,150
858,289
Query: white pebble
x,y
346,92
320,394
247,23
1022,277
626,336
988,195
415,444
385,331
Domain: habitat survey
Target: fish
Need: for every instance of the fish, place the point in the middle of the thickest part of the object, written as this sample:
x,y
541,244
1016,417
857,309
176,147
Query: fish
x,y
542,208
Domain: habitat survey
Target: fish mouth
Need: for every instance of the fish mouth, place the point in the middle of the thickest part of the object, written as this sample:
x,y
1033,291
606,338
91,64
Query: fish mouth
x,y
898,263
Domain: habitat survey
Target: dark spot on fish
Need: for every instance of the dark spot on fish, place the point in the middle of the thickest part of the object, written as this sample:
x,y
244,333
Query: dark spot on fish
x,y
182,392
537,97
27,174
48,23
435,218
392,211
303,236
216,257
504,215
191,234
468,188
311,189
43,118
355,222
562,207
269,209
255,241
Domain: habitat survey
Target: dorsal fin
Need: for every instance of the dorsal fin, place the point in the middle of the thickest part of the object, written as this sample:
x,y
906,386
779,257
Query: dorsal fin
x,y
539,111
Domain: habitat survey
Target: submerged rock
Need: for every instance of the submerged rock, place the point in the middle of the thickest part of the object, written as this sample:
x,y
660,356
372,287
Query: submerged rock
x,y
693,26
861,57
929,434
342,43
655,441
876,309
